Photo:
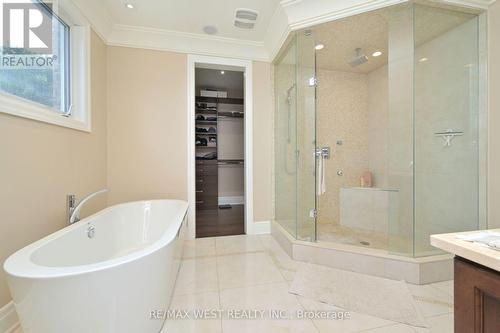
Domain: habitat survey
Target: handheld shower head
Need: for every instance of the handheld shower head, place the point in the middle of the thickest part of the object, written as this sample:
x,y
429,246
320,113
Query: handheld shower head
x,y
359,59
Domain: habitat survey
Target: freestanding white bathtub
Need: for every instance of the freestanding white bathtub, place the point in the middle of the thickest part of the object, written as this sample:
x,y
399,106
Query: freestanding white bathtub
x,y
68,282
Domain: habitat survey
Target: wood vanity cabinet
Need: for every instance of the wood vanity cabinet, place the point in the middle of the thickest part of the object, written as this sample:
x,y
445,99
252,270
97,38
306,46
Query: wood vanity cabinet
x,y
477,298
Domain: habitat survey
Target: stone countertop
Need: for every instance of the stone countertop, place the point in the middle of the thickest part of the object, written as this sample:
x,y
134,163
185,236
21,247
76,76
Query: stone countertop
x,y
468,250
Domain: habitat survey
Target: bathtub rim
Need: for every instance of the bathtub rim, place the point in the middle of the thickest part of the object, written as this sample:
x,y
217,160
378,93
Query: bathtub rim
x,y
20,265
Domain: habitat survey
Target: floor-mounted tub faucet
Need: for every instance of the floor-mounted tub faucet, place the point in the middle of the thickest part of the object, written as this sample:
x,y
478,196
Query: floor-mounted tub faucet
x,y
74,208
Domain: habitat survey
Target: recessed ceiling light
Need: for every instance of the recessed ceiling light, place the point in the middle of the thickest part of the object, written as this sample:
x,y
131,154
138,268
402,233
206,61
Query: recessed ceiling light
x,y
377,54
423,59
222,72
129,5
319,47
210,30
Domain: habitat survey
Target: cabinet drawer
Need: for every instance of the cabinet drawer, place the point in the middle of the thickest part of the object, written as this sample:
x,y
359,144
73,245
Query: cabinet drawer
x,y
206,169
204,201
207,185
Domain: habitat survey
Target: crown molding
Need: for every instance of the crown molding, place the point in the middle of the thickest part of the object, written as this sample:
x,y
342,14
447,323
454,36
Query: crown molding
x,y
475,4
99,17
306,14
183,42
278,29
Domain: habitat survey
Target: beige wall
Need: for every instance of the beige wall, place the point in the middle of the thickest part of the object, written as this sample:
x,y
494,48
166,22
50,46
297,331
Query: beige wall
x,y
41,163
147,138
262,141
494,116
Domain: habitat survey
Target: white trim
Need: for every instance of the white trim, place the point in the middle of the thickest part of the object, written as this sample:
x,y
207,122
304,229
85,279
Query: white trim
x,y
234,200
9,321
246,66
80,118
475,4
184,42
261,228
24,108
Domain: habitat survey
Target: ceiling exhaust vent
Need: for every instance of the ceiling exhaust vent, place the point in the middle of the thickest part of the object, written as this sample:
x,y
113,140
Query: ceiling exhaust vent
x,y
244,25
245,18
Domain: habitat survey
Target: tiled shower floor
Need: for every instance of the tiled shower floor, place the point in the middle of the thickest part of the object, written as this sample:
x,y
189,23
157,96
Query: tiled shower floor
x,y
329,232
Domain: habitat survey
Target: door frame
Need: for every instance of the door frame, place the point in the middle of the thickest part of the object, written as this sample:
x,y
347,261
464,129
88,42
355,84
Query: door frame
x,y
220,63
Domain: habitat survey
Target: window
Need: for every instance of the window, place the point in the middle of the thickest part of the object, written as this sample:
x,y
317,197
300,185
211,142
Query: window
x,y
44,64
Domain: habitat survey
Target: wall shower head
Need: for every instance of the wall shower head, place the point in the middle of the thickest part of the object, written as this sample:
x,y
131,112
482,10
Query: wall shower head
x,y
360,58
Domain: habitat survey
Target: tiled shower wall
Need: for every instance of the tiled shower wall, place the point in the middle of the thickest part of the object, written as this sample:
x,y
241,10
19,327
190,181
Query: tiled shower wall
x,y
352,114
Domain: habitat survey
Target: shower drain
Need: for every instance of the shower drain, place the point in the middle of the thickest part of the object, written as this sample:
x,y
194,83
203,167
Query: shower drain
x,y
364,243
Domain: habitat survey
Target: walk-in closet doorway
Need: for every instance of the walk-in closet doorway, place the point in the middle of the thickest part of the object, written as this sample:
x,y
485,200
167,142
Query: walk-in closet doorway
x,y
220,175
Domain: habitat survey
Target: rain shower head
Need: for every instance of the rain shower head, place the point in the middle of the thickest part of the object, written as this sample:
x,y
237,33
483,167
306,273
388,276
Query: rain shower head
x,y
360,58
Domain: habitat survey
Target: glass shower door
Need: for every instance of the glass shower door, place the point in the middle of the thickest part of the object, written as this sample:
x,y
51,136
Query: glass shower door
x,y
306,136
295,137
285,139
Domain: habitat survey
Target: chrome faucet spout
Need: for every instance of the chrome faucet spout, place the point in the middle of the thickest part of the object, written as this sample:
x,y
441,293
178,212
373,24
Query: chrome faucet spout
x,y
74,211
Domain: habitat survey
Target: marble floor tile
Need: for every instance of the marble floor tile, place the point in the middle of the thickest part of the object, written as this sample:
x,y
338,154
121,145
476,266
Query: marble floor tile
x,y
431,301
355,322
237,244
398,328
374,296
268,326
269,297
287,266
192,303
246,270
196,276
441,324
200,247
263,297
445,286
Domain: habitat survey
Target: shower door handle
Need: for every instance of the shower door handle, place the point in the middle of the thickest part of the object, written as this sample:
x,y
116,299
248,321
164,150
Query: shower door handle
x,y
322,154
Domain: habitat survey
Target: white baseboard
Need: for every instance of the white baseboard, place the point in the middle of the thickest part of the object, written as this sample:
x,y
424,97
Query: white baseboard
x,y
259,228
236,200
9,321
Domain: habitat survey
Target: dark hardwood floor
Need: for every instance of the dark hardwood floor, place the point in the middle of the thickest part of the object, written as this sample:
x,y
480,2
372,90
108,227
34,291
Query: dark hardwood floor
x,y
220,222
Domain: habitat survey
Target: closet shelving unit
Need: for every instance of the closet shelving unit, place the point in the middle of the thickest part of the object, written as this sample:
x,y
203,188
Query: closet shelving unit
x,y
207,169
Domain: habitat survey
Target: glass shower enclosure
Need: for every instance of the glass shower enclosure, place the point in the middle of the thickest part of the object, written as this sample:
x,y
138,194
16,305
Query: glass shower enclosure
x,y
403,129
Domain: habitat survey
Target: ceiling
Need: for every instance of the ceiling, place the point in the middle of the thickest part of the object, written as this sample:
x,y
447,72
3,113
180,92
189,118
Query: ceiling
x,y
177,25
212,78
370,32
190,16
367,31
